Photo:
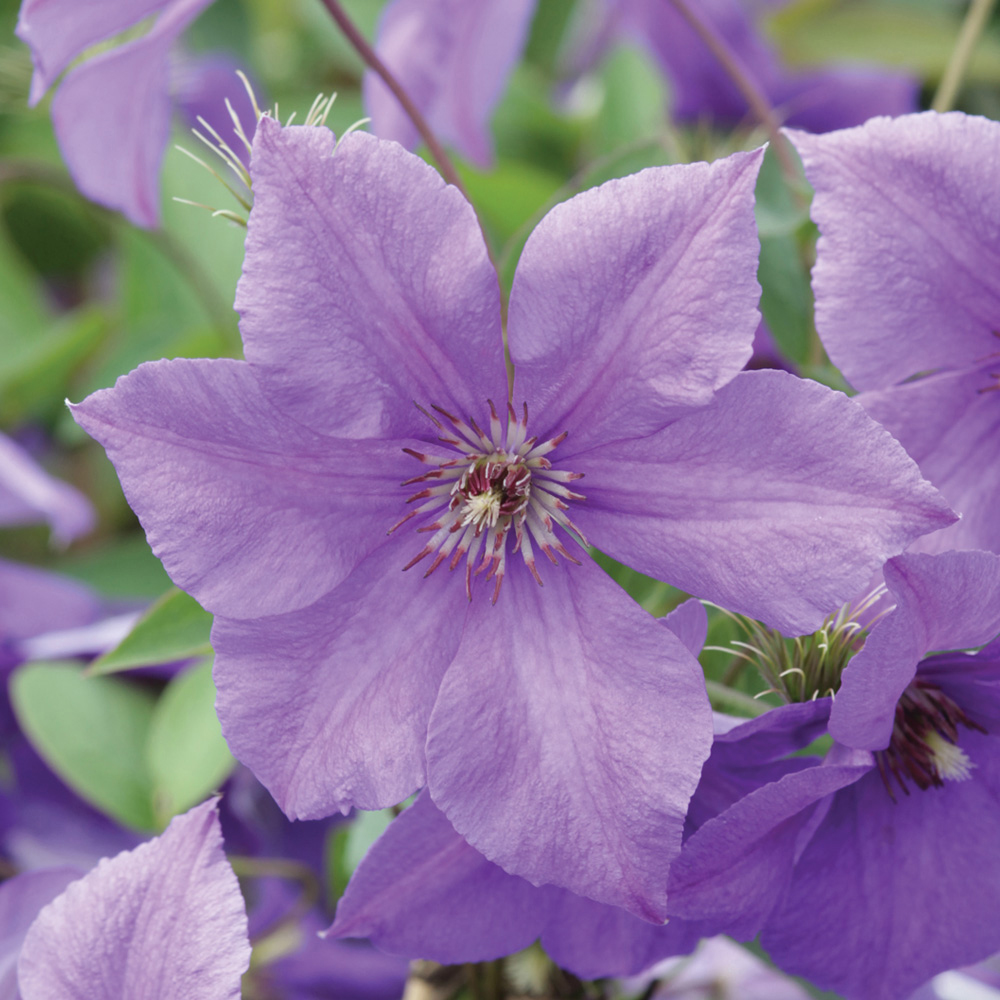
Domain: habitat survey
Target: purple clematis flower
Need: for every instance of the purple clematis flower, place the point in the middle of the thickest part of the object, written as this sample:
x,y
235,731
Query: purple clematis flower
x,y
559,727
164,921
876,868
118,100
908,295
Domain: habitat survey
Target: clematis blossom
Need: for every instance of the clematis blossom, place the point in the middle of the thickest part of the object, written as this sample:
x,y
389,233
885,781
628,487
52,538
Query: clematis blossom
x,y
908,295
121,99
559,727
165,920
875,868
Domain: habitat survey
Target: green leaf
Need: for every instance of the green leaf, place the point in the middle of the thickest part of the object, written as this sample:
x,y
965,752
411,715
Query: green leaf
x,y
174,628
879,32
92,732
187,756
35,371
786,295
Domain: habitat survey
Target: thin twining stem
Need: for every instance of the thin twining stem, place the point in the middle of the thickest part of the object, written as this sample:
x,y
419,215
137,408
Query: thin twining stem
x,y
747,86
371,58
972,27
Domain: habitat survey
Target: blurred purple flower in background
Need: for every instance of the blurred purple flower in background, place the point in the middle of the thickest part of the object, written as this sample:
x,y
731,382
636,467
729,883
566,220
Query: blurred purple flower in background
x,y
112,113
268,487
454,58
907,285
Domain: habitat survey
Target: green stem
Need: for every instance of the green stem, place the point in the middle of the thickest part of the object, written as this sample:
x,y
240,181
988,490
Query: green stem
x,y
972,27
727,699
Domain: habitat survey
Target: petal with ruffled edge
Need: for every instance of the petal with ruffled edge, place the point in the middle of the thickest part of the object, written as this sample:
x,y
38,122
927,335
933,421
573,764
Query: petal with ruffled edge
x,y
21,897
452,58
778,500
366,287
250,512
568,737
57,31
907,275
422,890
165,921
28,493
754,753
949,423
734,869
329,705
111,116
906,889
635,300
943,602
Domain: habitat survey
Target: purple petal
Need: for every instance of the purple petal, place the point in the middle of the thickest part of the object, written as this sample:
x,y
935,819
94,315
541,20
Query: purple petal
x,y
21,897
201,87
422,890
842,96
251,512
329,705
58,31
755,753
366,287
568,737
906,889
119,102
33,601
948,601
778,500
161,922
949,424
29,494
636,299
734,869
907,277
689,622
452,58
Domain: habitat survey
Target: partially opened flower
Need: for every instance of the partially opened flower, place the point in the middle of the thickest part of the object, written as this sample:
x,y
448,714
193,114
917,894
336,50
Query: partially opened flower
x,y
907,285
112,113
876,868
164,921
558,726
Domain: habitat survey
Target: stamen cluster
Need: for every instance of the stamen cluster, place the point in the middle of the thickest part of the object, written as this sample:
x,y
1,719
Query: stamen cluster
x,y
924,746
499,482
809,666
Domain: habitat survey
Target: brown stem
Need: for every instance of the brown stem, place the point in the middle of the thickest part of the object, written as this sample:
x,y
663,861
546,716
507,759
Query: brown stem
x,y
747,86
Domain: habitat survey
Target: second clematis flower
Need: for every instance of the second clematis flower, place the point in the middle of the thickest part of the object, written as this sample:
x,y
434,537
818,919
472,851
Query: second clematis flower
x,y
316,496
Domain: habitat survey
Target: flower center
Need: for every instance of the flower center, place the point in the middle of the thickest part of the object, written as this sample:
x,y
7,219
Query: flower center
x,y
924,747
489,486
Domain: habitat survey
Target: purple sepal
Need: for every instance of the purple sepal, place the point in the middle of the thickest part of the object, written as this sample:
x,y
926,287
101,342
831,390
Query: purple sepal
x,y
165,921
945,602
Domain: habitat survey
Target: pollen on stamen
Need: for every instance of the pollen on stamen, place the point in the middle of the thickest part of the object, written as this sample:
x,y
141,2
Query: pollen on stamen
x,y
950,761
493,482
